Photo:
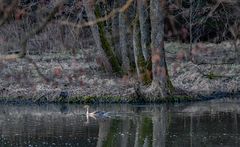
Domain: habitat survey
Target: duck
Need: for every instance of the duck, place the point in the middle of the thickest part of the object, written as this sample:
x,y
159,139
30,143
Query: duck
x,y
96,114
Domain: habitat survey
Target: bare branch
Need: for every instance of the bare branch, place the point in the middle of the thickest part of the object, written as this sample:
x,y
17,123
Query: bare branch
x,y
113,13
38,29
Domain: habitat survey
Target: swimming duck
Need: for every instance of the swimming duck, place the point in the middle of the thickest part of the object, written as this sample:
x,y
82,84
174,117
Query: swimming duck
x,y
95,114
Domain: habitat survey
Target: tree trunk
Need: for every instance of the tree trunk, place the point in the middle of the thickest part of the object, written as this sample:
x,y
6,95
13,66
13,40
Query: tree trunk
x,y
144,27
136,48
141,65
123,40
99,36
115,33
161,84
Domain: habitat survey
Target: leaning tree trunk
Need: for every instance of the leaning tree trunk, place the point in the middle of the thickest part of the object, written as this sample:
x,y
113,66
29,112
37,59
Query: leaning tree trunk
x,y
99,36
123,40
161,85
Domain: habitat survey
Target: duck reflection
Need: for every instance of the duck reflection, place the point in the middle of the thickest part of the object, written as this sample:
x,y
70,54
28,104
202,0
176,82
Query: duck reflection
x,y
64,109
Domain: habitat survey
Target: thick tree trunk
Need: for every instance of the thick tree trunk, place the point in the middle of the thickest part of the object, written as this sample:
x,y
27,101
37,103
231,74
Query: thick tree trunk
x,y
142,8
99,36
161,84
123,40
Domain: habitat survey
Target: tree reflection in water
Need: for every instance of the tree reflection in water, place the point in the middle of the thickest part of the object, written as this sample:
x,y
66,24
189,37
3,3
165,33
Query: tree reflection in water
x,y
211,123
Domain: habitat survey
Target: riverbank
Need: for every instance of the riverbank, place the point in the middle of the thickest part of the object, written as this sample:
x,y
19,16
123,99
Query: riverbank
x,y
80,78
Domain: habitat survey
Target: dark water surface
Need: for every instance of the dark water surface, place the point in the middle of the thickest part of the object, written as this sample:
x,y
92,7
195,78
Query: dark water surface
x,y
210,123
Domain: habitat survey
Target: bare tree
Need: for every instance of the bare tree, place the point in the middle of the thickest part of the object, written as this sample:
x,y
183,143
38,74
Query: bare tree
x,y
140,63
161,84
99,36
89,8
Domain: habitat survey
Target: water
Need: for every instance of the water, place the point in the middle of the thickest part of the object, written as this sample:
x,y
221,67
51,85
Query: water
x,y
210,123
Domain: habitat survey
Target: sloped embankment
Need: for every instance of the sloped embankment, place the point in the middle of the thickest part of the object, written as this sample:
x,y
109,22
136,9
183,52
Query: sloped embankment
x,y
80,78
214,70
68,78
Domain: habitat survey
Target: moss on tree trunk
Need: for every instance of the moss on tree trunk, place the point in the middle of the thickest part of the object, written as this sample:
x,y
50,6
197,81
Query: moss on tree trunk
x,y
142,66
106,45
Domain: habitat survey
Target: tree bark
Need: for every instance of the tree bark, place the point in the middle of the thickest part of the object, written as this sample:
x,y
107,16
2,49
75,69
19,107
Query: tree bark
x,y
115,33
99,37
161,84
141,64
123,40
136,48
144,27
